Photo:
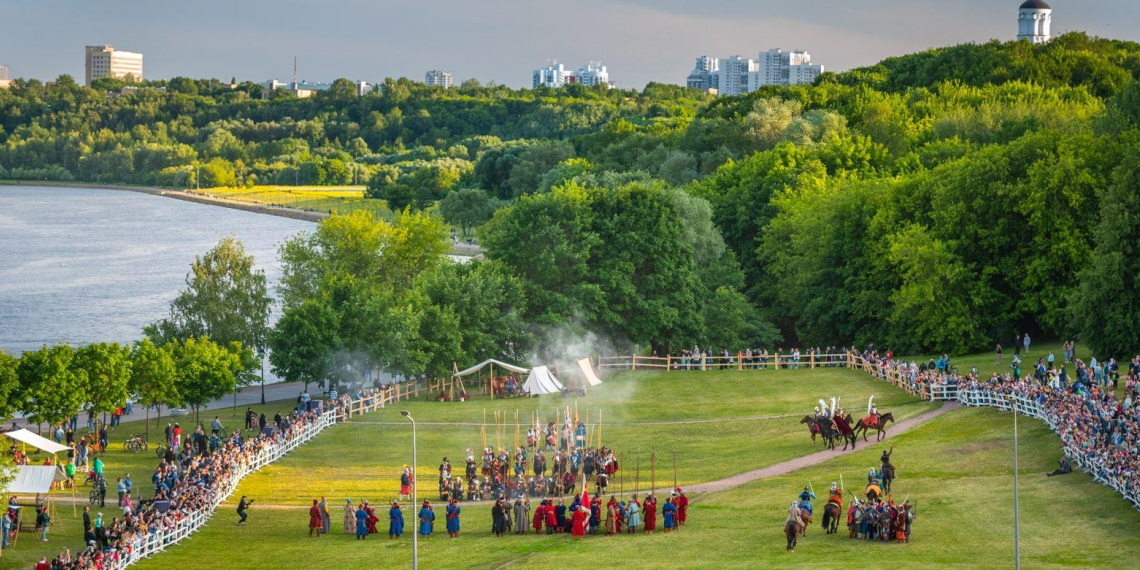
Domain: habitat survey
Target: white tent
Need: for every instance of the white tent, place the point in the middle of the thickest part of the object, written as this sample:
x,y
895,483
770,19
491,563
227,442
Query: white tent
x,y
489,362
34,479
588,372
42,443
541,381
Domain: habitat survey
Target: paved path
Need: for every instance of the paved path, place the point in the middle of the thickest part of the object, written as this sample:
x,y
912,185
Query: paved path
x,y
248,396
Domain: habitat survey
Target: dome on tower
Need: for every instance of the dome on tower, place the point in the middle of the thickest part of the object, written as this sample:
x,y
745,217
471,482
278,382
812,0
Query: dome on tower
x,y
1035,5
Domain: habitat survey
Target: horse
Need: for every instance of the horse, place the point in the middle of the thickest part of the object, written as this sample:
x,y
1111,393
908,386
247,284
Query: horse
x,y
812,426
791,531
806,517
828,432
874,492
880,427
849,437
888,476
831,513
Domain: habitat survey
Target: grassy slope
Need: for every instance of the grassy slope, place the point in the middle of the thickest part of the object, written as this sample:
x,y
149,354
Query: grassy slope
x,y
339,199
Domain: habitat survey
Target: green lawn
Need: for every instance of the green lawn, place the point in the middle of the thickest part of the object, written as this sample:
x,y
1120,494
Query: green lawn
x,y
957,468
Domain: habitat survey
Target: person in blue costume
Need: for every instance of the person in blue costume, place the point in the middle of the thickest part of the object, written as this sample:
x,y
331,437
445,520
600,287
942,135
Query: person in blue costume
x,y
805,500
395,521
669,512
427,519
453,518
361,523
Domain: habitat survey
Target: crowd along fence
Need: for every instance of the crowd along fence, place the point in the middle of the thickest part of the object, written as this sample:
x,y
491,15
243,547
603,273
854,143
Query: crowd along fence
x,y
738,361
978,396
157,540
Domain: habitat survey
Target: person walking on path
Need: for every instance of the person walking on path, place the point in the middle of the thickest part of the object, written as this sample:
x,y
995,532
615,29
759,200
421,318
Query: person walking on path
x,y
1025,341
997,351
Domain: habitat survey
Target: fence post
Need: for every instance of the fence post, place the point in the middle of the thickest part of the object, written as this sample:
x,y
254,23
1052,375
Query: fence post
x,y
633,361
776,359
739,360
811,359
668,362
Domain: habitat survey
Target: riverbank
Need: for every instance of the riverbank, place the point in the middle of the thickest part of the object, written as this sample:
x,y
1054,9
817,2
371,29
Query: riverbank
x,y
278,211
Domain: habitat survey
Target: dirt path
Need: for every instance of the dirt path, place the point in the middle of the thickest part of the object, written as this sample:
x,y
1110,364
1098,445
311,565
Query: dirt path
x,y
789,466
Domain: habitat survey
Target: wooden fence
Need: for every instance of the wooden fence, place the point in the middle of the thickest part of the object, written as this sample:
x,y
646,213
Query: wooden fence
x,y
740,361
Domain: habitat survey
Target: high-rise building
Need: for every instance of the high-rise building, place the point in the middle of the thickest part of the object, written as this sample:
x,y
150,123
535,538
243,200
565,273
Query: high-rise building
x,y
437,78
555,75
1033,20
106,61
4,71
737,75
702,75
591,74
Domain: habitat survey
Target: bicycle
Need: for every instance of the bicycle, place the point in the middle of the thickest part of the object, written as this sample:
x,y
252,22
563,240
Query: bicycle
x,y
94,496
160,450
135,444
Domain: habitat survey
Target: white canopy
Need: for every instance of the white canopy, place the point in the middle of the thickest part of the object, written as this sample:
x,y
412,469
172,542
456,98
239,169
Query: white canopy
x,y
588,372
34,479
42,443
541,381
489,362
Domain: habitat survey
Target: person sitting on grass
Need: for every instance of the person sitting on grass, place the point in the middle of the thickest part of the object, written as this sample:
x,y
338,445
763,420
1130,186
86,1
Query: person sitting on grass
x,y
1063,467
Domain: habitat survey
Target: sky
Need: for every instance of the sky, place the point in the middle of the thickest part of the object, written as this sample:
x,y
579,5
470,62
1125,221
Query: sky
x,y
503,40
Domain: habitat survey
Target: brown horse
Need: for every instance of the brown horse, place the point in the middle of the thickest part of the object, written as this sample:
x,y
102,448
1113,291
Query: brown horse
x,y
831,513
791,531
880,427
813,427
806,517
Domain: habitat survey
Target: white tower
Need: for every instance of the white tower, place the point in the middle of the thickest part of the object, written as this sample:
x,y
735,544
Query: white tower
x,y
1033,19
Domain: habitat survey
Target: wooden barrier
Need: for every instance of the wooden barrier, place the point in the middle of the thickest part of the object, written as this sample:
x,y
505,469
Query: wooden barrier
x,y
739,362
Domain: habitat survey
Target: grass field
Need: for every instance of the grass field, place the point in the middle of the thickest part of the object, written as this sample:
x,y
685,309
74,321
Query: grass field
x,y
957,468
336,199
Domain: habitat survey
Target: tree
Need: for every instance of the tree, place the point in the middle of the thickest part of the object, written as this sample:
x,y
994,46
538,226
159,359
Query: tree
x,y
1107,304
107,367
154,379
54,389
466,208
10,393
206,370
732,323
304,342
226,299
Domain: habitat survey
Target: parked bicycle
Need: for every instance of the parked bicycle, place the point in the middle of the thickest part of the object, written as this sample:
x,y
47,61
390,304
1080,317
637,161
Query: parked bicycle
x,y
135,444
160,449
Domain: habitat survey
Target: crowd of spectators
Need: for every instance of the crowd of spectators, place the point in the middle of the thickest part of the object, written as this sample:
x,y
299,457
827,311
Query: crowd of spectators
x,y
1099,430
193,480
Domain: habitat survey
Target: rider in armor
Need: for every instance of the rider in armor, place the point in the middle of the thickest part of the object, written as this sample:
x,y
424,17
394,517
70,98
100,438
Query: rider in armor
x,y
873,477
805,500
836,494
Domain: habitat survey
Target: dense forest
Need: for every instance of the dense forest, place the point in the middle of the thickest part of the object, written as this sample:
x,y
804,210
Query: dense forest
x,y
944,200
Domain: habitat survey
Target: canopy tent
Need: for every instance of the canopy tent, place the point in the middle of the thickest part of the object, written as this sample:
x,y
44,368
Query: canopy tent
x,y
41,443
541,381
35,479
588,372
490,362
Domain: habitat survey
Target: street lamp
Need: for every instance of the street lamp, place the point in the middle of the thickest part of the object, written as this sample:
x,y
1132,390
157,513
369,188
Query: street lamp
x,y
1016,517
415,499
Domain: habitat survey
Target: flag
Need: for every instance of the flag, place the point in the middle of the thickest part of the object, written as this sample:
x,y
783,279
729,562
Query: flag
x,y
585,495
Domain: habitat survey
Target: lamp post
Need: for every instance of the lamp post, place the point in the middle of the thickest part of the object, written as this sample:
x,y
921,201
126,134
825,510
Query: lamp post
x,y
1016,517
415,499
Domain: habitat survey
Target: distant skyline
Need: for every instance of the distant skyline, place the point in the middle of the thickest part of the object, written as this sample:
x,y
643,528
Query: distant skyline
x,y
504,40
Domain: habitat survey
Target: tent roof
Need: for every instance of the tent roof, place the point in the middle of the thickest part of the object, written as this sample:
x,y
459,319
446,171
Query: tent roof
x,y
588,372
541,382
41,443
488,362
34,479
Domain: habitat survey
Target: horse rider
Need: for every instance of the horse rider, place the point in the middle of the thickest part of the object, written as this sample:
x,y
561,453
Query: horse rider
x,y
885,460
841,422
873,477
835,495
794,515
805,500
872,413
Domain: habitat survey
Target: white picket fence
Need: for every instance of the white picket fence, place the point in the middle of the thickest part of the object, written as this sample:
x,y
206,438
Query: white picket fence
x,y
977,397
158,540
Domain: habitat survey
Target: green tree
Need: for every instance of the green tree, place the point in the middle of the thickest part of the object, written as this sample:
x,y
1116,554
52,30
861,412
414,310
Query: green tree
x,y
54,389
467,208
304,342
107,367
10,393
154,379
206,370
1105,307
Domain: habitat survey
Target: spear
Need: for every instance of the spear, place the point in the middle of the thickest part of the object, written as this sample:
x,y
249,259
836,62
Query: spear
x,y
652,470
674,467
637,473
841,484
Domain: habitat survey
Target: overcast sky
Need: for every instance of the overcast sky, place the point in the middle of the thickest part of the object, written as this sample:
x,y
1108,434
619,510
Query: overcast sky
x,y
503,40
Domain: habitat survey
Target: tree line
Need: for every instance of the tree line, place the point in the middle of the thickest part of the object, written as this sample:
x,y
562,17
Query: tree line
x,y
939,201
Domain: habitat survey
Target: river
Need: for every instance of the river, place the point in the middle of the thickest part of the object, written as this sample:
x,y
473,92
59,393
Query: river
x,y
83,265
